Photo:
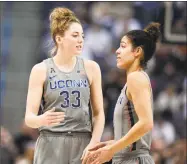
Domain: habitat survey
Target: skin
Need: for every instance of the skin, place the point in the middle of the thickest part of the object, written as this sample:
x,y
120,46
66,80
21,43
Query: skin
x,y
139,93
69,46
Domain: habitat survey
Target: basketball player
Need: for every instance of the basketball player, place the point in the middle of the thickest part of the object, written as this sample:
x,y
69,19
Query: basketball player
x,y
66,83
133,115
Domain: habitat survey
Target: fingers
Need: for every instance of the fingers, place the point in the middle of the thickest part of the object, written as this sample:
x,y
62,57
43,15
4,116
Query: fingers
x,y
85,159
83,154
52,110
92,159
55,120
54,124
56,117
95,158
95,162
56,113
97,146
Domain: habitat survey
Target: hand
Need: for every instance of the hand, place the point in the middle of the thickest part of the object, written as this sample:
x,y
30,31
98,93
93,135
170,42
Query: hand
x,y
101,144
98,146
51,118
85,152
100,156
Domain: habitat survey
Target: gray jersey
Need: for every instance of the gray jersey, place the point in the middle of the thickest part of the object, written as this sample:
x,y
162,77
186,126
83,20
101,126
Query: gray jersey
x,y
70,93
124,119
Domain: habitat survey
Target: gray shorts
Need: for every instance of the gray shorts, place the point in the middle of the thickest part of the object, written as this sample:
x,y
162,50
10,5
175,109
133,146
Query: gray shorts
x,y
147,159
60,148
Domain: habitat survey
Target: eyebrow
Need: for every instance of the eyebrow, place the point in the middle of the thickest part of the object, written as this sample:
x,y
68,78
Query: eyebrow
x,y
123,42
78,32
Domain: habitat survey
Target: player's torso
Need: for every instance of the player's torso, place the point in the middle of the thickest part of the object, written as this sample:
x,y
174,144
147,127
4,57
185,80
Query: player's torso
x,y
125,118
70,93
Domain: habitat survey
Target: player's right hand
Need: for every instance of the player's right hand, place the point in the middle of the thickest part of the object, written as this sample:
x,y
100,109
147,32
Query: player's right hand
x,y
100,145
51,118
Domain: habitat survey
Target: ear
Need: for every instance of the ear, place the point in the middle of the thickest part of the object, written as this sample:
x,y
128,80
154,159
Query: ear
x,y
138,51
58,39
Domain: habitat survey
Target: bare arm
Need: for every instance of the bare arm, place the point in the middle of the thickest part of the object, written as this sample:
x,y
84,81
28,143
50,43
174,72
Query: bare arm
x,y
34,95
97,103
96,97
139,90
35,90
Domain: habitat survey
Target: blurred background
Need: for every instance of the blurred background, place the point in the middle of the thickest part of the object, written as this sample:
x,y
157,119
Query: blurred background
x,y
25,41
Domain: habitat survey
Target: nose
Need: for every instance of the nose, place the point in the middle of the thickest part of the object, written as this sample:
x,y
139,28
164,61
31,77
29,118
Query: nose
x,y
80,39
118,51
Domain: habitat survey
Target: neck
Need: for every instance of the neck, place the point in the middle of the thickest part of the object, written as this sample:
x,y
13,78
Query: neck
x,y
64,61
63,58
134,67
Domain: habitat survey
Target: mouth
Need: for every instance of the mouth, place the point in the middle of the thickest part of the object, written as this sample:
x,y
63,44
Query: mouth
x,y
118,58
79,47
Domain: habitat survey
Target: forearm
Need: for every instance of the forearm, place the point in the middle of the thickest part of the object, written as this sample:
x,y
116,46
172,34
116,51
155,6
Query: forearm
x,y
134,134
32,120
98,126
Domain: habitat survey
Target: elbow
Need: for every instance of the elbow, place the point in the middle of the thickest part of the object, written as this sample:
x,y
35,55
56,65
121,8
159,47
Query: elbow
x,y
99,116
26,121
149,126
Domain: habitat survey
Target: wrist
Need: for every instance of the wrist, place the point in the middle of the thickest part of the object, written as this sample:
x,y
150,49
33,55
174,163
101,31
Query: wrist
x,y
39,121
92,141
110,142
112,148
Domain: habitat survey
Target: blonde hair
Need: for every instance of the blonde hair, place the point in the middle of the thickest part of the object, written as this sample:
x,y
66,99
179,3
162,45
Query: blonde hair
x,y
60,20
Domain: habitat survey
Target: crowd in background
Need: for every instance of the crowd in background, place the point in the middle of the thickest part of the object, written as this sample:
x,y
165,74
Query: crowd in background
x,y
104,23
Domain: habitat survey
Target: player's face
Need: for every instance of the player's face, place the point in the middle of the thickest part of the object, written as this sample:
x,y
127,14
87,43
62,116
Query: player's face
x,y
124,54
73,39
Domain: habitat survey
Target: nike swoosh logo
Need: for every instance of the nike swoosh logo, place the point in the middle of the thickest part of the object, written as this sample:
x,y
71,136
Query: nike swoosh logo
x,y
52,77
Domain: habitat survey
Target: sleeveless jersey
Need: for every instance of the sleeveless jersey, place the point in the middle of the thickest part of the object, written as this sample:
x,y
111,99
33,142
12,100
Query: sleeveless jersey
x,y
124,119
70,93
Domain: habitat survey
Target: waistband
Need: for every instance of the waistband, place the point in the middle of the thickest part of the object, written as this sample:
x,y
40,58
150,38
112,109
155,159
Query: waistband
x,y
69,133
130,155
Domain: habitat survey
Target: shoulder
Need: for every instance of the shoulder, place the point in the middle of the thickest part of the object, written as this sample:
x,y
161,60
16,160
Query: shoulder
x,y
91,65
39,68
137,79
38,72
93,70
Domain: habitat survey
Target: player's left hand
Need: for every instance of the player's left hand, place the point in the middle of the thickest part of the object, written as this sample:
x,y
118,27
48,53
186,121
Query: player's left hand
x,y
99,156
85,152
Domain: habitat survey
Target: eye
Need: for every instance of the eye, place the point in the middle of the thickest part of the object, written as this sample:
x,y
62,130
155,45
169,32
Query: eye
x,y
123,46
75,36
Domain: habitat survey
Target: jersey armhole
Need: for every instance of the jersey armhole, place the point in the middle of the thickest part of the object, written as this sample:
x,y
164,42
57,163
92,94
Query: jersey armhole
x,y
83,61
47,76
149,81
127,95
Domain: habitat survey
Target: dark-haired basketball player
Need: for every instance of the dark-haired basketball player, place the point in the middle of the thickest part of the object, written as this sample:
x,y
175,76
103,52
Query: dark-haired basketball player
x,y
133,115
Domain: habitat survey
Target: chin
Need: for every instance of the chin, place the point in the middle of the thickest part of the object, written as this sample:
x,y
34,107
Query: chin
x,y
121,66
78,53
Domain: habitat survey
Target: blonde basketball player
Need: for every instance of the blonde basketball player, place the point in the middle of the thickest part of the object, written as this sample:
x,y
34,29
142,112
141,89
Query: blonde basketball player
x,y
67,84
